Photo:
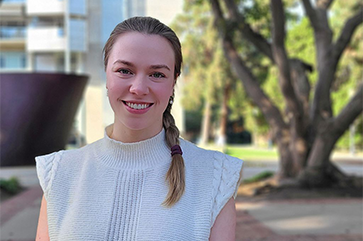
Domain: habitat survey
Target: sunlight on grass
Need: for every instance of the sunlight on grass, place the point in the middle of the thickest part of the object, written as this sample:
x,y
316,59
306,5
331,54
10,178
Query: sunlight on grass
x,y
251,153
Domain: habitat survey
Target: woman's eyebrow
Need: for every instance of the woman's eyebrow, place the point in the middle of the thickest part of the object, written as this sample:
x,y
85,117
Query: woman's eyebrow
x,y
119,61
159,66
155,66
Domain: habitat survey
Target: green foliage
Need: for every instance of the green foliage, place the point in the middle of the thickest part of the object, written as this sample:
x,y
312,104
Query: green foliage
x,y
300,44
349,74
257,14
206,70
259,177
238,102
193,119
199,39
11,185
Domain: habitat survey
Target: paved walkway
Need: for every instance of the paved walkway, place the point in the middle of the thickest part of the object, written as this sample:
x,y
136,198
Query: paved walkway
x,y
300,220
293,220
19,216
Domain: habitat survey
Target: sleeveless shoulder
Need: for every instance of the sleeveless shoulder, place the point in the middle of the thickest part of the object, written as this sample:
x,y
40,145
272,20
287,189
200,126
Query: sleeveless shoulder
x,y
227,177
46,167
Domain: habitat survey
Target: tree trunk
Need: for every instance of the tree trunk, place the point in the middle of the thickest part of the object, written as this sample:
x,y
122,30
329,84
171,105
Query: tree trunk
x,y
206,122
282,137
318,171
222,135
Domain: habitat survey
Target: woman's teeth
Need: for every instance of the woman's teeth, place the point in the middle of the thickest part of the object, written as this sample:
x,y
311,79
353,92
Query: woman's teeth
x,y
137,106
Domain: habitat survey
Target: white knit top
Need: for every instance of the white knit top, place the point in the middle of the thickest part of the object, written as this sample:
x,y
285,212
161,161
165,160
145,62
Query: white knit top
x,y
109,190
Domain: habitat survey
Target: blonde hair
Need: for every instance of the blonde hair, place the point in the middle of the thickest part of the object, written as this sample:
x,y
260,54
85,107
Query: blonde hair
x,y
175,176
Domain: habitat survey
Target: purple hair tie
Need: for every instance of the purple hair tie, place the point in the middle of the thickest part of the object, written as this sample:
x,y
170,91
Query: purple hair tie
x,y
176,150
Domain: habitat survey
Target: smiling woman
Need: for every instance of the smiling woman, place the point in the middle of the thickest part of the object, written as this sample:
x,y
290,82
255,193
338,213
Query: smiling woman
x,y
141,181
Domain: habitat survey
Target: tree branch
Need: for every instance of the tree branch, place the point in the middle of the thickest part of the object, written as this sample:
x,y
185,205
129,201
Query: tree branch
x,y
255,38
302,87
324,4
326,63
280,56
329,55
349,113
311,13
278,20
347,33
271,112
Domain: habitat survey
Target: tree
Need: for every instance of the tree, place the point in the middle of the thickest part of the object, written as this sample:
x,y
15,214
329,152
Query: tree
x,y
307,130
196,35
349,74
209,80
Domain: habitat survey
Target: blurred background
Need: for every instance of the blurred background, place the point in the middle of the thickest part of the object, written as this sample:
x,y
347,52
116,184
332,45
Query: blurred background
x,y
214,107
67,36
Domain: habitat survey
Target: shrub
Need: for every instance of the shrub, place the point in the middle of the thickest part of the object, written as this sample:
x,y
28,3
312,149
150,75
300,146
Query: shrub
x,y
10,185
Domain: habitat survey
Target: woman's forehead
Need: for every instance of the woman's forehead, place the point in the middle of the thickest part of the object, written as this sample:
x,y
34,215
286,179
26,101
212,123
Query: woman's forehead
x,y
139,47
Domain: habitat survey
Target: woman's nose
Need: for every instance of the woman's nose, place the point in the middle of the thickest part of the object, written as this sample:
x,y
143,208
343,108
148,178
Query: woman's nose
x,y
139,85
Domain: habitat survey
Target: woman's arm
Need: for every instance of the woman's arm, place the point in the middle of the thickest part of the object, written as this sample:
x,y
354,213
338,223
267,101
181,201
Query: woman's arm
x,y
42,231
224,227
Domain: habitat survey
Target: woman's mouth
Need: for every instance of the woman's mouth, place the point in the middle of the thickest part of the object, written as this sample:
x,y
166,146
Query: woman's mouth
x,y
137,106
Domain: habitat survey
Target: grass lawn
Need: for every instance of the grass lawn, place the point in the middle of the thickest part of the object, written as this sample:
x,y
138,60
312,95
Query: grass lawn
x,y
248,153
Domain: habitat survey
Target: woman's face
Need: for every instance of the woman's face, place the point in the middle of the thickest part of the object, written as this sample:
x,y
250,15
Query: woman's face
x,y
140,81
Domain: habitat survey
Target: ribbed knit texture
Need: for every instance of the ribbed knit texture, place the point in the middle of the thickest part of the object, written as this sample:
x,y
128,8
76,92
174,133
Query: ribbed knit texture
x,y
109,190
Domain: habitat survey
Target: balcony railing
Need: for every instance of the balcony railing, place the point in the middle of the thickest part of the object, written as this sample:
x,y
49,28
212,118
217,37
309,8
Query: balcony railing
x,y
12,32
45,7
46,38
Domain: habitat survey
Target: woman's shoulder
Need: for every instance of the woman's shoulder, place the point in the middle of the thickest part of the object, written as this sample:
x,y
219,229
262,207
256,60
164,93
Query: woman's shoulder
x,y
47,162
70,152
62,161
190,150
224,169
218,172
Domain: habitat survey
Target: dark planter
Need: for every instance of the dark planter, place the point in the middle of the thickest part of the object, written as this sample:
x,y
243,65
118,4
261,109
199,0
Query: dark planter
x,y
37,114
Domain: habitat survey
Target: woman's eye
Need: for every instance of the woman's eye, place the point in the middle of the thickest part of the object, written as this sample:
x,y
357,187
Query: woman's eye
x,y
158,75
124,71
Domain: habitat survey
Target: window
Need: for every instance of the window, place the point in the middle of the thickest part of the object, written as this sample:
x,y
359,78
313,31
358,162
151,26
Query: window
x,y
2,62
23,61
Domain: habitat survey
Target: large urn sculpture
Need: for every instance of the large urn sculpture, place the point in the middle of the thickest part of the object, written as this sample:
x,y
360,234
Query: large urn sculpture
x,y
37,114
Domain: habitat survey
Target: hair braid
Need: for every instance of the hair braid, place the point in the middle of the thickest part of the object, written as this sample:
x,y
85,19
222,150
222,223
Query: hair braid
x,y
176,173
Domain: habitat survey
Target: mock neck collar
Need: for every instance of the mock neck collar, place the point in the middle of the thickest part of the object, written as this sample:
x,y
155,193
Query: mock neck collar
x,y
136,155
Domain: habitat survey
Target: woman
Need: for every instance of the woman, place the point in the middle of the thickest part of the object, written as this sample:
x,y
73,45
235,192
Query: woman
x,y
141,181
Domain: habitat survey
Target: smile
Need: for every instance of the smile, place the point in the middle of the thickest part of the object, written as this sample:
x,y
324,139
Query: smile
x,y
137,106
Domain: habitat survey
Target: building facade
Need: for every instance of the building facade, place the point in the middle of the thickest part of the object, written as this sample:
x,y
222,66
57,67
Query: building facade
x,y
37,35
13,24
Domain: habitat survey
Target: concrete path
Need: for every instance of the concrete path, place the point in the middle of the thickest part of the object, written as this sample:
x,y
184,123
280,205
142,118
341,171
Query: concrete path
x,y
294,220
19,216
300,220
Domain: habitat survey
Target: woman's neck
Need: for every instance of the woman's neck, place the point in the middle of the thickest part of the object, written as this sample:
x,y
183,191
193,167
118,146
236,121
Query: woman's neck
x,y
133,155
125,135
